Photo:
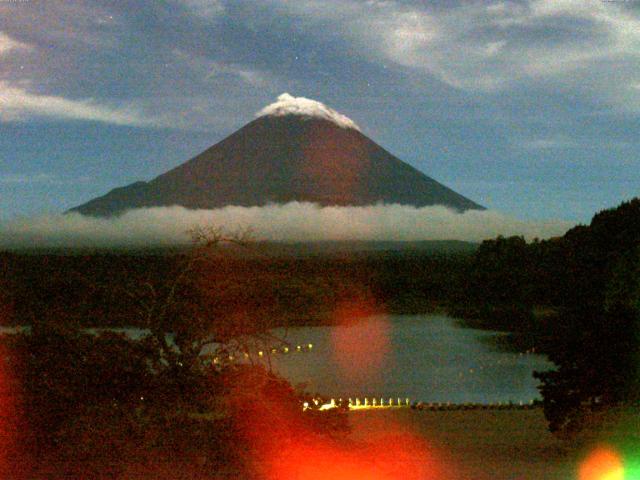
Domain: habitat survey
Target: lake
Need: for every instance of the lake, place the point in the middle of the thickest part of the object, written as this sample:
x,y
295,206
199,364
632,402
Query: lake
x,y
427,358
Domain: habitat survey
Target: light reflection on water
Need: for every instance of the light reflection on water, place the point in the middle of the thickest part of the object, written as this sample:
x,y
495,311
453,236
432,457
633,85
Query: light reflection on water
x,y
430,359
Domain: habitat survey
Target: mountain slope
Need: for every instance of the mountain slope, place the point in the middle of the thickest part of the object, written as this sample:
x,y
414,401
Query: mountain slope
x,y
279,159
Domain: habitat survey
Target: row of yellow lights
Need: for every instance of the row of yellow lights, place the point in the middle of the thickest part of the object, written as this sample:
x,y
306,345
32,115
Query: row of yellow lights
x,y
273,351
358,404
367,403
299,348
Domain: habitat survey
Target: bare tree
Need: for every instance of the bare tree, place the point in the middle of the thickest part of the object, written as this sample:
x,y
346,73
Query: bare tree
x,y
204,304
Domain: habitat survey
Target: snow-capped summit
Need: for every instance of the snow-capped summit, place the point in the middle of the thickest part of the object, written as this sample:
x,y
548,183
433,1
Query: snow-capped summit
x,y
297,150
289,105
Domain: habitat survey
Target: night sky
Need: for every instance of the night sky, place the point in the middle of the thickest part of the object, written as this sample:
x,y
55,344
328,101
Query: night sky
x,y
530,108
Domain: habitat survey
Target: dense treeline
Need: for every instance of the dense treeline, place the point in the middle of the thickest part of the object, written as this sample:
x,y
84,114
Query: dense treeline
x,y
596,337
589,283
590,267
104,289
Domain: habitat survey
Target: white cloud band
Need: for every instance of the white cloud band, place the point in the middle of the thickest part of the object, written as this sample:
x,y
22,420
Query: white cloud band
x,y
291,222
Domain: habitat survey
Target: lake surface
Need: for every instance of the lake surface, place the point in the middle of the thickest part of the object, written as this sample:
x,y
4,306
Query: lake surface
x,y
427,358
424,357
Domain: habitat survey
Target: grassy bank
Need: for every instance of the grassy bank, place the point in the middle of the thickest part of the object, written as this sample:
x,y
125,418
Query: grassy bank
x,y
410,445
493,444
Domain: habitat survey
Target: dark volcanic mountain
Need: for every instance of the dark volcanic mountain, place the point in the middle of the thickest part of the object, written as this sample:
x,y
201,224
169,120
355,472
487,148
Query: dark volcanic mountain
x,y
279,159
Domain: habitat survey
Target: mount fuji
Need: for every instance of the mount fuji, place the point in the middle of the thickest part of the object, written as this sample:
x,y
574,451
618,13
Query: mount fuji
x,y
296,149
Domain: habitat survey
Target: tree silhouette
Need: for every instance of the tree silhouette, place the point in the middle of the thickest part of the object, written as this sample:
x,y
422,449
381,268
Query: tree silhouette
x,y
595,340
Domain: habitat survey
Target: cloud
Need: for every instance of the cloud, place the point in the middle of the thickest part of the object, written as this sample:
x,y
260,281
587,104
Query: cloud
x,y
291,222
547,143
88,61
7,44
289,105
16,178
16,103
248,75
206,69
205,8
41,178
491,46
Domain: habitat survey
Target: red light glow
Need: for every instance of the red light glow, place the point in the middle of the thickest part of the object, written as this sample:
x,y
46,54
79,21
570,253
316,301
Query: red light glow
x,y
283,442
392,456
336,162
360,352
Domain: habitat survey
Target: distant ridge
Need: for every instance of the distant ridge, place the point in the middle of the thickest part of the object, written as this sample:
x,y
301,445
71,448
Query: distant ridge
x,y
275,249
298,150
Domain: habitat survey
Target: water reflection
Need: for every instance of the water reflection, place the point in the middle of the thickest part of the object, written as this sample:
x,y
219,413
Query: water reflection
x,y
429,358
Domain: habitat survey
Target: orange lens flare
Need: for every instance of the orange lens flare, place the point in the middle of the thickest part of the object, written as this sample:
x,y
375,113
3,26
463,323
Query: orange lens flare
x,y
283,442
386,458
360,348
602,464
315,463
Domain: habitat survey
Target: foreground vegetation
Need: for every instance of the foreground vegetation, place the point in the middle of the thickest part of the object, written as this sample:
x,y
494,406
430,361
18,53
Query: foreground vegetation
x,y
82,404
108,407
589,283
78,403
